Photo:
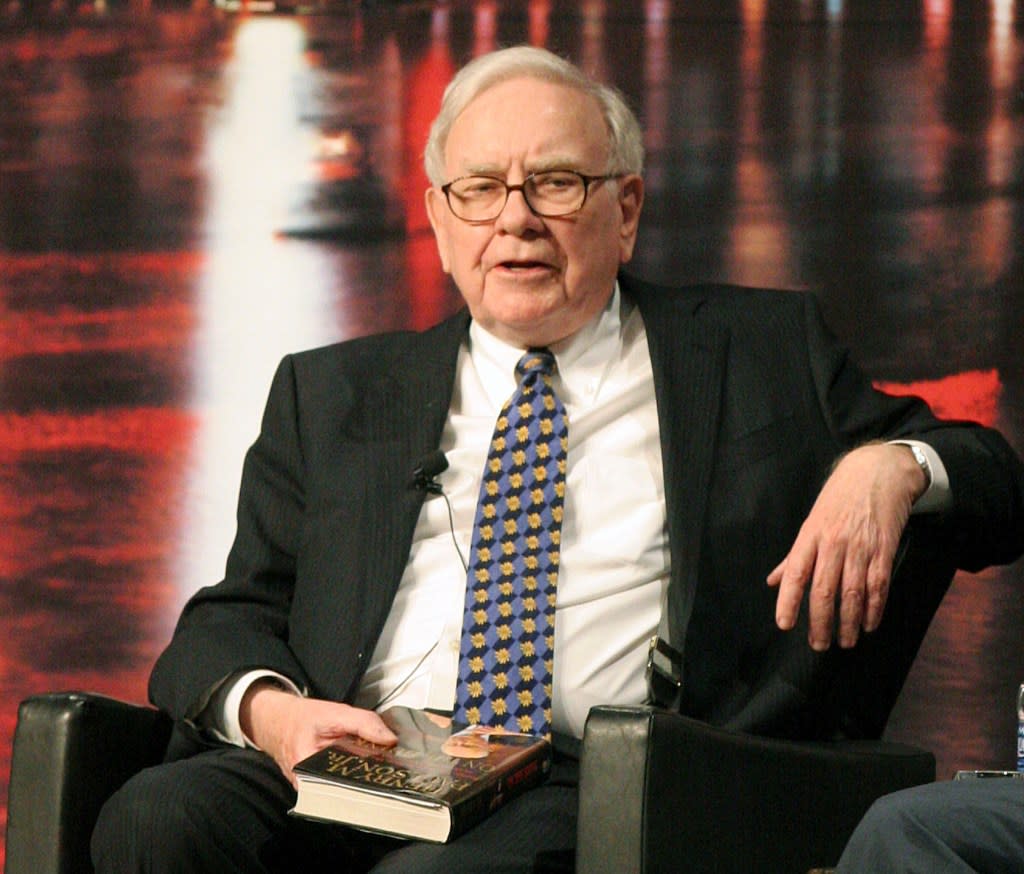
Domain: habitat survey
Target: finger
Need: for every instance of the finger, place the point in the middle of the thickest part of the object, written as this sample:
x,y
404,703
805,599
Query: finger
x,y
879,578
793,577
374,729
343,719
821,603
851,599
323,723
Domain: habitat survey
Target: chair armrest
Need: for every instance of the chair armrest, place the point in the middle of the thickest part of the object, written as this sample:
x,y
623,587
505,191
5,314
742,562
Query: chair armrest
x,y
71,751
663,793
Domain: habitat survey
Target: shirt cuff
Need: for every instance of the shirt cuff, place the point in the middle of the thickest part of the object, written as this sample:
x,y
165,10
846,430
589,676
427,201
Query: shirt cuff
x,y
938,496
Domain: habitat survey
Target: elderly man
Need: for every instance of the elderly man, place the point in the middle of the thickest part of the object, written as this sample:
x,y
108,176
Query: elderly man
x,y
656,470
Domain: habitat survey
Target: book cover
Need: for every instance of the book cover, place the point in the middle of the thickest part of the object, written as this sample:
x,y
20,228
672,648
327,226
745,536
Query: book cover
x,y
439,779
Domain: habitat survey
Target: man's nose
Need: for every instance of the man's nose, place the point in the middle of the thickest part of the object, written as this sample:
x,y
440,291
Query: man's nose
x,y
516,215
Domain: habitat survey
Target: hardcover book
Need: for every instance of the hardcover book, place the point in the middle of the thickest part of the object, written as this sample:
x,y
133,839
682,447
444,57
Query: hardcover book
x,y
439,780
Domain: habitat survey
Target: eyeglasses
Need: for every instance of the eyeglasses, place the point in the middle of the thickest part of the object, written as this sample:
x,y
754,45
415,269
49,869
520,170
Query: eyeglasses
x,y
549,194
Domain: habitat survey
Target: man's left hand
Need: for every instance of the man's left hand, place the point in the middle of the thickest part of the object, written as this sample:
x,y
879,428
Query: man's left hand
x,y
846,546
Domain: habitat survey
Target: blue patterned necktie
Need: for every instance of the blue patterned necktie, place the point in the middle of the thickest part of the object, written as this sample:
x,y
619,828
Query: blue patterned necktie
x,y
508,635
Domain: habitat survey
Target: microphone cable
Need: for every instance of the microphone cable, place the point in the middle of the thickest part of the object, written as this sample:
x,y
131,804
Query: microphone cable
x,y
424,477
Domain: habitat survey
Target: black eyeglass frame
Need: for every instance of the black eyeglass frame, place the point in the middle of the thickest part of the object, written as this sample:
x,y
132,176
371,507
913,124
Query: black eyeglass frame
x,y
521,187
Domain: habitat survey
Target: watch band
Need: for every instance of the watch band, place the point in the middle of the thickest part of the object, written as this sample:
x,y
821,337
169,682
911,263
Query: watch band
x,y
922,462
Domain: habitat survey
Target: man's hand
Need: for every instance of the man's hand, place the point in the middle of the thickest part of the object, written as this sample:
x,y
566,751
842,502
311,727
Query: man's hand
x,y
847,544
289,728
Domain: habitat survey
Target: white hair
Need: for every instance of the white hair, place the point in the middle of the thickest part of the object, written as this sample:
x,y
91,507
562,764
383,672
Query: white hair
x,y
625,139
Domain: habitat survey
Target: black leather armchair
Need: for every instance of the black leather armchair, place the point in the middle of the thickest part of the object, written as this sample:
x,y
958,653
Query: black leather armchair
x,y
659,792
662,793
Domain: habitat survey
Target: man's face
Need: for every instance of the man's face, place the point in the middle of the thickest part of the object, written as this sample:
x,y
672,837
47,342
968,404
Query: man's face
x,y
533,281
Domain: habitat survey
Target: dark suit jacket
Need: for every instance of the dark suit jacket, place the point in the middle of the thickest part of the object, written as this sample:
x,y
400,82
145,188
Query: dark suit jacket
x,y
755,401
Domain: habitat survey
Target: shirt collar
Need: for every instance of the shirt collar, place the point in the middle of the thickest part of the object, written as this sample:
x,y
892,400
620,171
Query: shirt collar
x,y
582,358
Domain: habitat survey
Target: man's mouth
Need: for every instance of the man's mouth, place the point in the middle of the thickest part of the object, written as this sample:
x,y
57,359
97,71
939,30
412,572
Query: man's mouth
x,y
523,265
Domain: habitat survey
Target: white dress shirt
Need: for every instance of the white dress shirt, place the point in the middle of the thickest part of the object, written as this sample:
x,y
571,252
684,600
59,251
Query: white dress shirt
x,y
614,557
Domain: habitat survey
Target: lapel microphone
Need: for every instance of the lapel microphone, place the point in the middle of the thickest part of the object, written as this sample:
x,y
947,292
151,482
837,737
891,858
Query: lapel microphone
x,y
426,469
423,479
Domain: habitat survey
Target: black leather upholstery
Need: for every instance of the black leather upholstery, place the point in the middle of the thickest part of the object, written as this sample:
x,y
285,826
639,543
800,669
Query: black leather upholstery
x,y
71,751
661,794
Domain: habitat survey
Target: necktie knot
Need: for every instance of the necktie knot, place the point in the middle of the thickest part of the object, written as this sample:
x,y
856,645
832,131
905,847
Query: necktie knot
x,y
535,361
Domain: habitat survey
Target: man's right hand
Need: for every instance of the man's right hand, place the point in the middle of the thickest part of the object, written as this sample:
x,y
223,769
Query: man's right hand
x,y
290,728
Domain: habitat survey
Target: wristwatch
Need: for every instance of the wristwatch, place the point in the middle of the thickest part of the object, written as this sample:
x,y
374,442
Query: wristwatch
x,y
922,462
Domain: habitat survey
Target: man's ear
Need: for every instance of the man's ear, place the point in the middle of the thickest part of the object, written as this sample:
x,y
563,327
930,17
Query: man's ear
x,y
437,210
631,201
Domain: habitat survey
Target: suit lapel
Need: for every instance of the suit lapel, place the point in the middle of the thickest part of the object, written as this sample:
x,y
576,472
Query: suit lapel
x,y
688,358
414,396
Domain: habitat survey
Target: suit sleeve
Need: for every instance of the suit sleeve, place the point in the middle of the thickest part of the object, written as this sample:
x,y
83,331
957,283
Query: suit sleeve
x,y
985,523
242,622
761,680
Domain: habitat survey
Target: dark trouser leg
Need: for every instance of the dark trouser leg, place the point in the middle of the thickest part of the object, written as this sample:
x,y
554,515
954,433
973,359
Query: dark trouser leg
x,y
222,811
942,828
225,812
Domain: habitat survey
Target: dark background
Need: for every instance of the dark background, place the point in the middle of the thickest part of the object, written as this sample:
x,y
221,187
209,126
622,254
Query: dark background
x,y
189,191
